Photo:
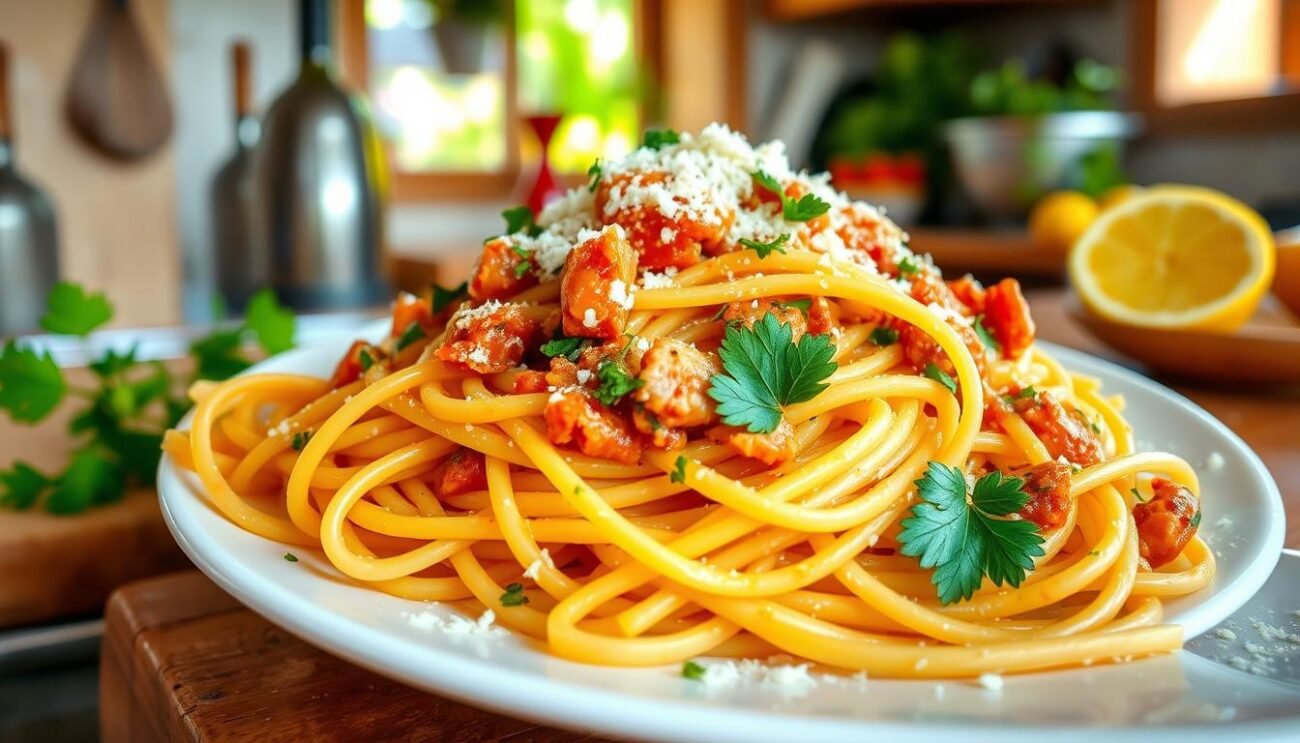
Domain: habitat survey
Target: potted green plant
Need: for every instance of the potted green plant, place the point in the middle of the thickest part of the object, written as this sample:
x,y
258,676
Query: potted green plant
x,y
1031,136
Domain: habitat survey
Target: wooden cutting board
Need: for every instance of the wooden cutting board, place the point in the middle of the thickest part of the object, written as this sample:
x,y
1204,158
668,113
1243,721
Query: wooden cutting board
x,y
183,661
55,566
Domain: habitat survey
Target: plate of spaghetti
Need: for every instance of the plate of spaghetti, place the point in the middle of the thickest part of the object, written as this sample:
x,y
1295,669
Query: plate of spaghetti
x,y
703,450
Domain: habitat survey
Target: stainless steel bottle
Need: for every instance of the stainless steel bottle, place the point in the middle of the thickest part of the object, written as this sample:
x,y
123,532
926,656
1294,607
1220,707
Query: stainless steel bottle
x,y
29,248
241,268
317,169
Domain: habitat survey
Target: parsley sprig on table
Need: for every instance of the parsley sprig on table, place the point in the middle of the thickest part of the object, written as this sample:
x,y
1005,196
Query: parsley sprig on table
x,y
964,540
763,370
117,433
807,207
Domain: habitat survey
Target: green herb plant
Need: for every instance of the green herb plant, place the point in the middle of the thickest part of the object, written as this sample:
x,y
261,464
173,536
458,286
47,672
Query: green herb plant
x,y
117,430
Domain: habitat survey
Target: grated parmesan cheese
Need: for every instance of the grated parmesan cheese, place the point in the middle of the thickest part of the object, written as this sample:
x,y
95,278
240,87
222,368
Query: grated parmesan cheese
x,y
621,294
991,681
455,624
589,318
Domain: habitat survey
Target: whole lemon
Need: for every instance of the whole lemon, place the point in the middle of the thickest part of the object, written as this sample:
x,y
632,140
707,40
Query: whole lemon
x,y
1058,220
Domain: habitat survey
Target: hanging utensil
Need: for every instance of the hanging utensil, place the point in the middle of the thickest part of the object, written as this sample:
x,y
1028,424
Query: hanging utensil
x,y
117,98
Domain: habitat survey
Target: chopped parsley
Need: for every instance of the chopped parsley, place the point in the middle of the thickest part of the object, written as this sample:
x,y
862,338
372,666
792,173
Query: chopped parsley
x,y
526,261
520,219
679,470
1023,394
443,297
765,249
593,174
1138,495
985,336
942,377
803,305
299,440
412,334
908,266
692,670
615,382
561,345
883,336
763,370
807,207
366,359
1196,520
514,595
657,138
290,557
964,540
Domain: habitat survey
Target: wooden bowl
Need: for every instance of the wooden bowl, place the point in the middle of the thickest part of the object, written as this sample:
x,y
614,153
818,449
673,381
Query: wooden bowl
x,y
1266,350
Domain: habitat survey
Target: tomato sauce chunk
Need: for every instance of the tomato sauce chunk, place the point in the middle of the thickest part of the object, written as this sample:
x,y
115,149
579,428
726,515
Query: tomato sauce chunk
x,y
489,339
1167,522
501,271
777,447
636,201
1006,315
574,417
461,472
676,380
1063,433
747,312
350,367
1048,487
596,291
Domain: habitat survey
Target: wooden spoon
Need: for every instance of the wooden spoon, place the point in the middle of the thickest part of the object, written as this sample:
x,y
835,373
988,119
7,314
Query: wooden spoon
x,y
117,98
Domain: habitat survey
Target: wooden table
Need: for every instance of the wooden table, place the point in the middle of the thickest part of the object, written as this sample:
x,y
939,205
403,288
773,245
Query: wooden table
x,y
183,661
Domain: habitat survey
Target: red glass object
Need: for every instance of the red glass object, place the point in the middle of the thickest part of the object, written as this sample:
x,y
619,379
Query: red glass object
x,y
545,187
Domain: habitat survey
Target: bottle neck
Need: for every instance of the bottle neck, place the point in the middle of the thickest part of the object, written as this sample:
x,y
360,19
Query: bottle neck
x,y
6,154
314,34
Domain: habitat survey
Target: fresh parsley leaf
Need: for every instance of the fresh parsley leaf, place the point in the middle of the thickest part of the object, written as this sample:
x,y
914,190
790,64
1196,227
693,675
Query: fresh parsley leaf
x,y
299,440
657,138
803,305
692,670
985,336
93,478
412,334
70,310
883,336
809,206
31,384
908,266
290,557
21,486
366,359
1196,520
1095,428
765,249
768,182
1137,494
561,345
217,356
615,382
113,363
523,267
271,323
679,470
1025,393
593,176
443,297
941,376
514,595
765,370
520,219
963,541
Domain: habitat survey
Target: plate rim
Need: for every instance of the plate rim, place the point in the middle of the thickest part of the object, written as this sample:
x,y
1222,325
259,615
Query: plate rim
x,y
573,706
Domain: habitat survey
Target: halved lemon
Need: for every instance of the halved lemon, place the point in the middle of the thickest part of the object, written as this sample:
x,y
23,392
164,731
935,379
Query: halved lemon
x,y
1175,257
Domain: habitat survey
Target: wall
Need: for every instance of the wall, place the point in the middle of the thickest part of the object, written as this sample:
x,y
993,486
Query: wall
x,y
117,222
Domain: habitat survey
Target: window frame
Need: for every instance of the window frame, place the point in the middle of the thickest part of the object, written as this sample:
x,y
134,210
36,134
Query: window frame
x,y
1224,117
459,185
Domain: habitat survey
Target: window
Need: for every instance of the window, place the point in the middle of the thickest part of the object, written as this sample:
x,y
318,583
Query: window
x,y
450,82
1217,65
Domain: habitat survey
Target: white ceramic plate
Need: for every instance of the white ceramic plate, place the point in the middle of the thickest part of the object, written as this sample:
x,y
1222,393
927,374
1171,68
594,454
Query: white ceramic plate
x,y
1243,521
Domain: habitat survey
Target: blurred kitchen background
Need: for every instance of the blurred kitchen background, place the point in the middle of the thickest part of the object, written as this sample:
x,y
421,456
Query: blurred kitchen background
x,y
166,184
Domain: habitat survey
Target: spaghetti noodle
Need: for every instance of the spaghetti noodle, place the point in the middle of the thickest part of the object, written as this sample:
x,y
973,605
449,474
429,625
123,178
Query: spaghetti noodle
x,y
550,447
